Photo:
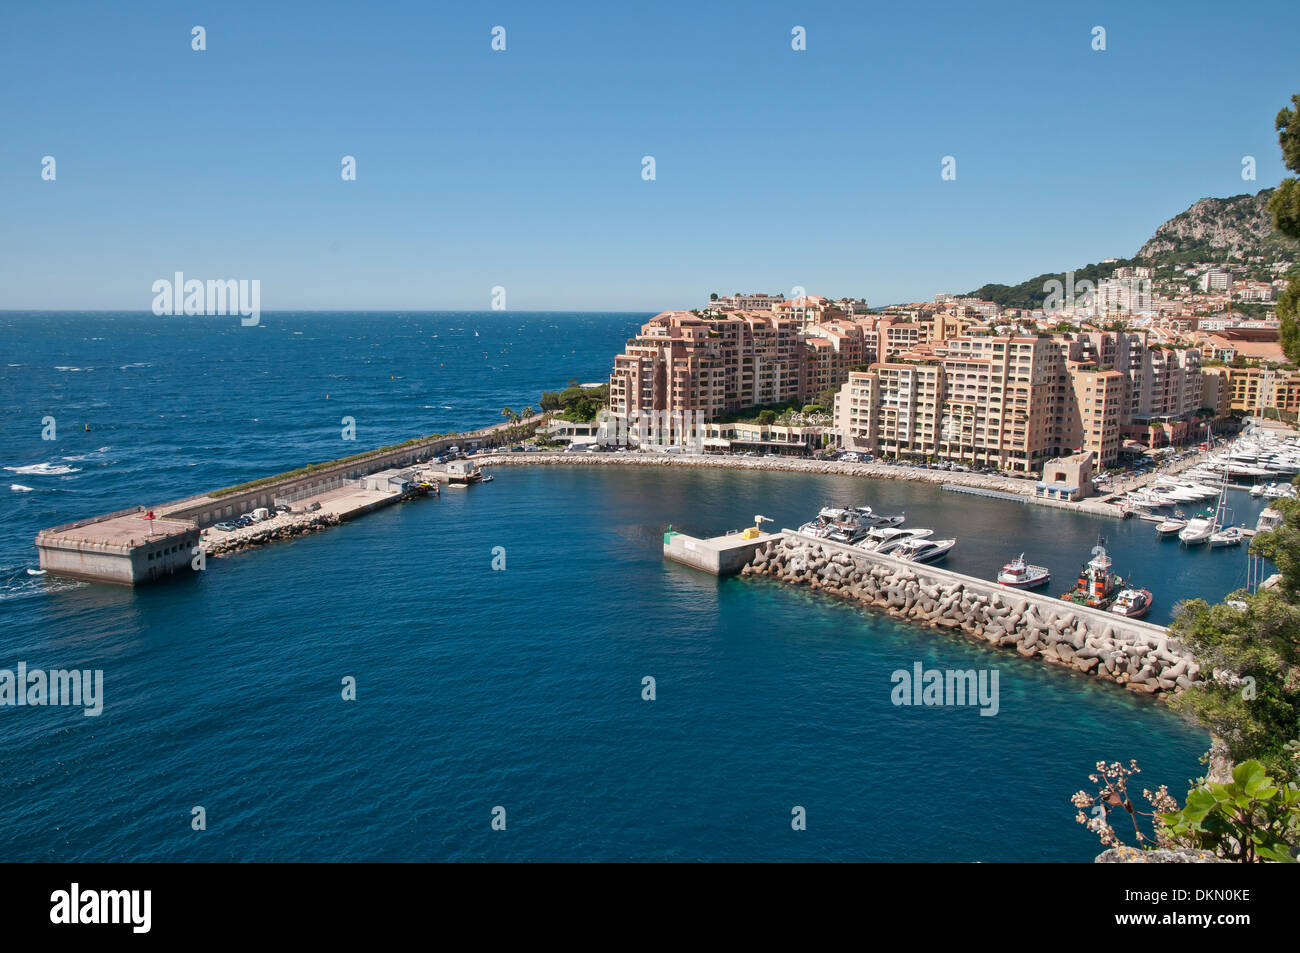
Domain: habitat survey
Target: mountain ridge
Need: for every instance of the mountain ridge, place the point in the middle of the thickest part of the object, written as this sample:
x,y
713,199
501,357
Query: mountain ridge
x,y
1211,229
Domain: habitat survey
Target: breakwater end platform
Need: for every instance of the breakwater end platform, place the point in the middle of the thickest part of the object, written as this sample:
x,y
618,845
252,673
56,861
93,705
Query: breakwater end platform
x,y
719,555
124,547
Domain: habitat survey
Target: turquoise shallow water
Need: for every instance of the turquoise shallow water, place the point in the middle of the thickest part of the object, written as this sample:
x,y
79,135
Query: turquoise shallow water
x,y
519,688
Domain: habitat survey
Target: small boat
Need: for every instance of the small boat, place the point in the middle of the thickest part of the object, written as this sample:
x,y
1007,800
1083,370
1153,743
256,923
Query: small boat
x,y
1020,575
1132,603
1228,536
1171,525
924,550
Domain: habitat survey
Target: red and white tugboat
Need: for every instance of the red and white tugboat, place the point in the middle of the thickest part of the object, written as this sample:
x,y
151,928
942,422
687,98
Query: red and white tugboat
x,y
1020,575
1097,585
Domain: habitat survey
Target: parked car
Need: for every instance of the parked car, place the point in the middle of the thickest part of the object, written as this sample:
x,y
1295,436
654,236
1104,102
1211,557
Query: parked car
x,y
313,506
282,508
225,527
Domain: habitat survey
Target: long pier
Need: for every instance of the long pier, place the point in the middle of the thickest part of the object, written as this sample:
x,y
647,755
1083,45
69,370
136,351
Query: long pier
x,y
144,544
992,494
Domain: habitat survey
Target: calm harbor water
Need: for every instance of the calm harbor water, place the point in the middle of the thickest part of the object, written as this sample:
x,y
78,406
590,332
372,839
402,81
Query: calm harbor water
x,y
519,688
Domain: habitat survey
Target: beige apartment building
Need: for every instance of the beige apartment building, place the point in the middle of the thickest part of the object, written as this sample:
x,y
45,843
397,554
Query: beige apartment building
x,y
1093,411
712,365
986,401
1252,390
1010,402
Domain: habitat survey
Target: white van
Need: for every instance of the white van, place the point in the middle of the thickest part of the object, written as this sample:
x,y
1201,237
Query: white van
x,y
261,513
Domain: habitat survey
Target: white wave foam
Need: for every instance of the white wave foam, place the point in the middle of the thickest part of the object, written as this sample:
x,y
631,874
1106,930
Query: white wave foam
x,y
19,488
64,368
44,469
75,458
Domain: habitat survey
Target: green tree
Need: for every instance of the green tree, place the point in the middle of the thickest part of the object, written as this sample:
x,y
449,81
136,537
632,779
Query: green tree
x,y
767,416
1285,206
1249,652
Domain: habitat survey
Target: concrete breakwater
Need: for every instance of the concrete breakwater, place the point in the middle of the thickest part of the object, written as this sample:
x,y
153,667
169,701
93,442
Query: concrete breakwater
x,y
1140,656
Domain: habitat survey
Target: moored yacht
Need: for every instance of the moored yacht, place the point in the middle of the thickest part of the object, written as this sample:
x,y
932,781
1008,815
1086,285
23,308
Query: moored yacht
x,y
885,539
1171,525
924,550
871,519
1197,530
1228,536
837,524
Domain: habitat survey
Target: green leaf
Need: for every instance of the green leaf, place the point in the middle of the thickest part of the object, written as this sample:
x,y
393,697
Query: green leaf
x,y
1247,771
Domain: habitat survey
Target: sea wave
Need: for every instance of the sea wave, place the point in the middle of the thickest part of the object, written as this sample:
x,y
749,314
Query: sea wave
x,y
19,488
43,469
65,368
20,582
75,458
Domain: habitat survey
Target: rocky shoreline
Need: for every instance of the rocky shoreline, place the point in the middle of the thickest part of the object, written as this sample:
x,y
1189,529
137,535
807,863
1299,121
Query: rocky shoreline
x,y
300,526
1032,626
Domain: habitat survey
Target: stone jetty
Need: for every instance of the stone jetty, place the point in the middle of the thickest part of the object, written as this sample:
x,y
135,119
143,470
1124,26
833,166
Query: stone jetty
x,y
1140,656
304,525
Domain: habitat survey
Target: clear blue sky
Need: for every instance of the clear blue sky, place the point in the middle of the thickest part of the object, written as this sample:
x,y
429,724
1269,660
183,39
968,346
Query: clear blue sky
x,y
775,168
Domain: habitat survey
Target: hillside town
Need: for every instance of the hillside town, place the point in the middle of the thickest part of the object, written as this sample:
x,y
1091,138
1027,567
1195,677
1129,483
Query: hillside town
x,y
1148,358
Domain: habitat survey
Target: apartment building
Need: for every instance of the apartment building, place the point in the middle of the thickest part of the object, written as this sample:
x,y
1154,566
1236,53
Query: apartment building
x,y
1014,402
1253,390
833,349
1092,411
1123,295
1160,380
715,365
807,310
1216,279
986,401
1216,390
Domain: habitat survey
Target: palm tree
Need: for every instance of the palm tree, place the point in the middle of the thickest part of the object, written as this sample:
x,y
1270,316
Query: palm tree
x,y
528,411
508,414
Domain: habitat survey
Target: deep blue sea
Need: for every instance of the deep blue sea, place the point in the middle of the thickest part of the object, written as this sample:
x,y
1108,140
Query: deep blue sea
x,y
521,687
